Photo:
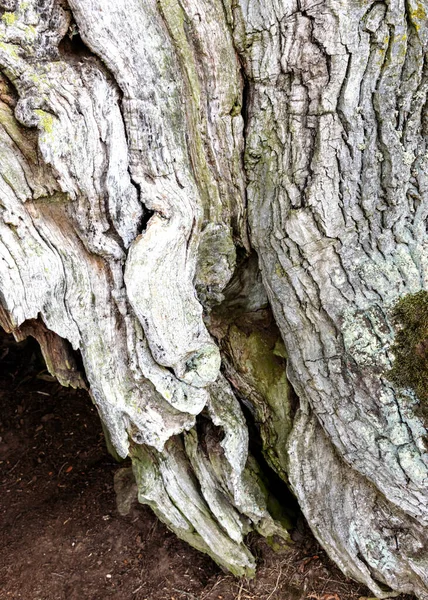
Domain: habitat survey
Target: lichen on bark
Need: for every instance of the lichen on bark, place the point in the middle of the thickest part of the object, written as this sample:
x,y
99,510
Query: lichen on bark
x,y
147,145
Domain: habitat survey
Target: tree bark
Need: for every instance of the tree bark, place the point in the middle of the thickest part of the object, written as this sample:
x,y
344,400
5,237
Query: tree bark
x,y
219,204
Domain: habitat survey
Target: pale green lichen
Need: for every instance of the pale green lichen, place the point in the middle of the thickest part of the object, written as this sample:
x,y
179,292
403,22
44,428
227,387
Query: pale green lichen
x,y
236,109
45,120
366,337
279,270
30,33
9,18
417,14
9,49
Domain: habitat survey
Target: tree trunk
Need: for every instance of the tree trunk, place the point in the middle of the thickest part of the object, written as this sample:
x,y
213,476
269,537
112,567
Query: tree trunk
x,y
202,196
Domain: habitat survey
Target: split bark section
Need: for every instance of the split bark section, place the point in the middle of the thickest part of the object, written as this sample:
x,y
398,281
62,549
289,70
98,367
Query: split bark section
x,y
126,174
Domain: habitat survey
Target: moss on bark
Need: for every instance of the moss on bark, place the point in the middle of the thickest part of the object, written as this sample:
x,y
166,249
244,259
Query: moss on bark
x,y
410,368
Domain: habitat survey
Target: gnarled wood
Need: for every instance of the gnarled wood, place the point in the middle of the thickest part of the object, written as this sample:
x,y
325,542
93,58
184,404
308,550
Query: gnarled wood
x,y
135,138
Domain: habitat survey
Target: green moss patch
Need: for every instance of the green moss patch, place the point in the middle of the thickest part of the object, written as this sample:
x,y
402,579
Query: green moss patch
x,y
410,368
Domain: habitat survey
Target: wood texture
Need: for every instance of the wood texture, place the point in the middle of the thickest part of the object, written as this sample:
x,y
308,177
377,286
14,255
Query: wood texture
x,y
145,148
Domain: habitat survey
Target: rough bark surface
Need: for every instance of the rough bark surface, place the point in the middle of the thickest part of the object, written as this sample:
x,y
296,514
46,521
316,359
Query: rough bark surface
x,y
138,140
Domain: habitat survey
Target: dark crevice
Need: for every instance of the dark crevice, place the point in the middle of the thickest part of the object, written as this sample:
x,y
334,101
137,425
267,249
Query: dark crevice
x,y
61,359
247,308
8,92
29,338
73,49
208,433
279,495
78,358
24,356
170,369
145,218
380,584
246,99
147,213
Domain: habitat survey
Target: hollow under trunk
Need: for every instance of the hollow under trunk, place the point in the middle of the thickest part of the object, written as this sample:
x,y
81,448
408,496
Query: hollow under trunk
x,y
220,204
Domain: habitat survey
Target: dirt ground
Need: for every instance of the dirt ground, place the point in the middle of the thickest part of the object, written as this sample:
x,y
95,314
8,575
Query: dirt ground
x,y
62,537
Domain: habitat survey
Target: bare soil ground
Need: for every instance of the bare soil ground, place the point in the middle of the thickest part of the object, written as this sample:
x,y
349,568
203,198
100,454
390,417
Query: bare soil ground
x,y
62,537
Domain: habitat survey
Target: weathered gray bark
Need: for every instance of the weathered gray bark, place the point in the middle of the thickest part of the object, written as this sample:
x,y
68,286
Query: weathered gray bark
x,y
141,141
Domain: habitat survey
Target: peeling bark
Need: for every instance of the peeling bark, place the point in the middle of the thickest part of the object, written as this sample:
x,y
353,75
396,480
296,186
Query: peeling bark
x,y
140,142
